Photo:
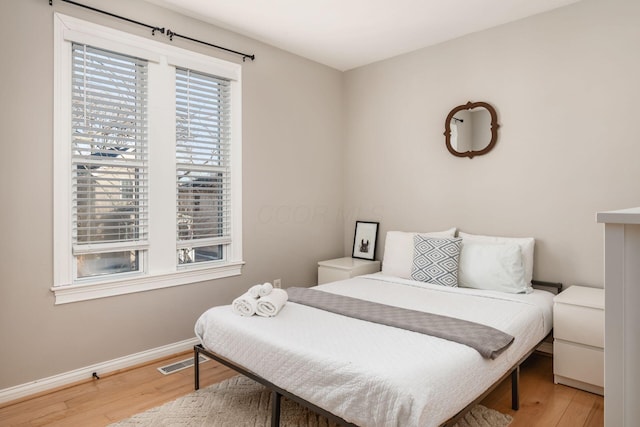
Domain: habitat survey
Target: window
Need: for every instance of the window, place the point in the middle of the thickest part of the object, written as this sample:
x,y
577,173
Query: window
x,y
128,111
109,168
202,157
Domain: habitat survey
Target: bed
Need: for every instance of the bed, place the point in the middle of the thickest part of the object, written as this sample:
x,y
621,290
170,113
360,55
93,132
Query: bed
x,y
369,374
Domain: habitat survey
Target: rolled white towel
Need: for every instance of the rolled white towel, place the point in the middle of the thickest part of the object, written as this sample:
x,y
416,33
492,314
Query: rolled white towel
x,y
270,305
265,289
254,291
245,305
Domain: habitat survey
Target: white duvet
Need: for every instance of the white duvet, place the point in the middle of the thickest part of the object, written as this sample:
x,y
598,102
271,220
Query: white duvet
x,y
375,375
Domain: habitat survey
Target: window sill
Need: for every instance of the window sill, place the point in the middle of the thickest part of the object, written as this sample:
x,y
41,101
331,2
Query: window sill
x,y
73,293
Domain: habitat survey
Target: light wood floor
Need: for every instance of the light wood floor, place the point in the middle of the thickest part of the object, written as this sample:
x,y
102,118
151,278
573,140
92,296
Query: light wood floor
x,y
120,395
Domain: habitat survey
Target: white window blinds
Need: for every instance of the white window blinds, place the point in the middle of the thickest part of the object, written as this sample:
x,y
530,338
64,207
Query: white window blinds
x,y
132,213
203,144
109,156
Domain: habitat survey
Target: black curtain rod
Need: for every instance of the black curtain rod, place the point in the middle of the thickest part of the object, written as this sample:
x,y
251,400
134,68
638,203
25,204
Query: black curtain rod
x,y
169,33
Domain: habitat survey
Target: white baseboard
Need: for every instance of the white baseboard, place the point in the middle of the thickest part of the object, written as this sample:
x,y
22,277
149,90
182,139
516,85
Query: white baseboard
x,y
55,381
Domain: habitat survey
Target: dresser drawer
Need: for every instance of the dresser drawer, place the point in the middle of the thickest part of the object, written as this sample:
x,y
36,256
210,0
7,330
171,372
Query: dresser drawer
x,y
580,324
578,362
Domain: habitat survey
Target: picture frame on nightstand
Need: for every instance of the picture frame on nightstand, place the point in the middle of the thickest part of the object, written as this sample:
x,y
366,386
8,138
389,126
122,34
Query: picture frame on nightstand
x,y
365,240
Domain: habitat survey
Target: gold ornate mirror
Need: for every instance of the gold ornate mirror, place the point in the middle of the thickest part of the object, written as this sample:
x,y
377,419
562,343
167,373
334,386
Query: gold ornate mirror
x,y
471,129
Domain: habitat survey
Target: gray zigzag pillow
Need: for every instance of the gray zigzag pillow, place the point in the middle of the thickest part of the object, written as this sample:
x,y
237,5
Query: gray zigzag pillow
x,y
435,260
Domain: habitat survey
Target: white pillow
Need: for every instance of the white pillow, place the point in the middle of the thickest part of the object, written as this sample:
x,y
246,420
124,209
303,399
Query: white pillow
x,y
526,246
398,251
494,266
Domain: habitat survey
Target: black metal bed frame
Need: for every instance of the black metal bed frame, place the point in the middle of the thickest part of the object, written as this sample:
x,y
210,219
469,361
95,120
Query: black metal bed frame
x,y
277,393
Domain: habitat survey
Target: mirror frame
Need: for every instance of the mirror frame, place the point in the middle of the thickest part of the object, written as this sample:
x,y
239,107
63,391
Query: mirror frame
x,y
494,129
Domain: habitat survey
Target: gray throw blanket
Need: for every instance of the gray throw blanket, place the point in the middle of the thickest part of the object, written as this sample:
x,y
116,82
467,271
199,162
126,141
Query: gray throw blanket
x,y
488,341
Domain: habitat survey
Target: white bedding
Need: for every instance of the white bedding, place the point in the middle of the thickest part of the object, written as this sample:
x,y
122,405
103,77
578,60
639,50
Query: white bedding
x,y
374,375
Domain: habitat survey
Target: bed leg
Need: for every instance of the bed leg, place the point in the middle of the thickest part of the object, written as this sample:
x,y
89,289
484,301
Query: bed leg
x,y
275,408
515,388
196,367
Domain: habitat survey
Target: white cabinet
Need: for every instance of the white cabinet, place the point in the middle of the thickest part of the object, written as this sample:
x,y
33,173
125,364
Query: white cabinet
x,y
578,331
345,268
622,340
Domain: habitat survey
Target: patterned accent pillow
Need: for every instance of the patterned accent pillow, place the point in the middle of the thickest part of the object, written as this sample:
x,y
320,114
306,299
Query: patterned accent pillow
x,y
435,260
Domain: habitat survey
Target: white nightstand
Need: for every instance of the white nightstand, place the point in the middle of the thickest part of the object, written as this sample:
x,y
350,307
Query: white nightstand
x,y
345,268
578,331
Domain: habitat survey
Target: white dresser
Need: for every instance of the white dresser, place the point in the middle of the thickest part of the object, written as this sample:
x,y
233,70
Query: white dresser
x,y
578,331
345,268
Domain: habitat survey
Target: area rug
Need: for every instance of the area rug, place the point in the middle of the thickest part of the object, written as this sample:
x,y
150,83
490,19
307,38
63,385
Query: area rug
x,y
242,402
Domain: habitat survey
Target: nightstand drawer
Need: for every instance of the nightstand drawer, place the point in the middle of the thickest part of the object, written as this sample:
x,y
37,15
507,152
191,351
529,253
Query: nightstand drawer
x,y
578,362
345,268
580,324
326,275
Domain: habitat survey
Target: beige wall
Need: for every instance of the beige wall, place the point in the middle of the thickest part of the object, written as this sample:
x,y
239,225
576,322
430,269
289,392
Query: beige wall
x,y
292,218
565,85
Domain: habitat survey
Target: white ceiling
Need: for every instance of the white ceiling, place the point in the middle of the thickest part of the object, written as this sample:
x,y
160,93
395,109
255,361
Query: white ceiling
x,y
346,34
